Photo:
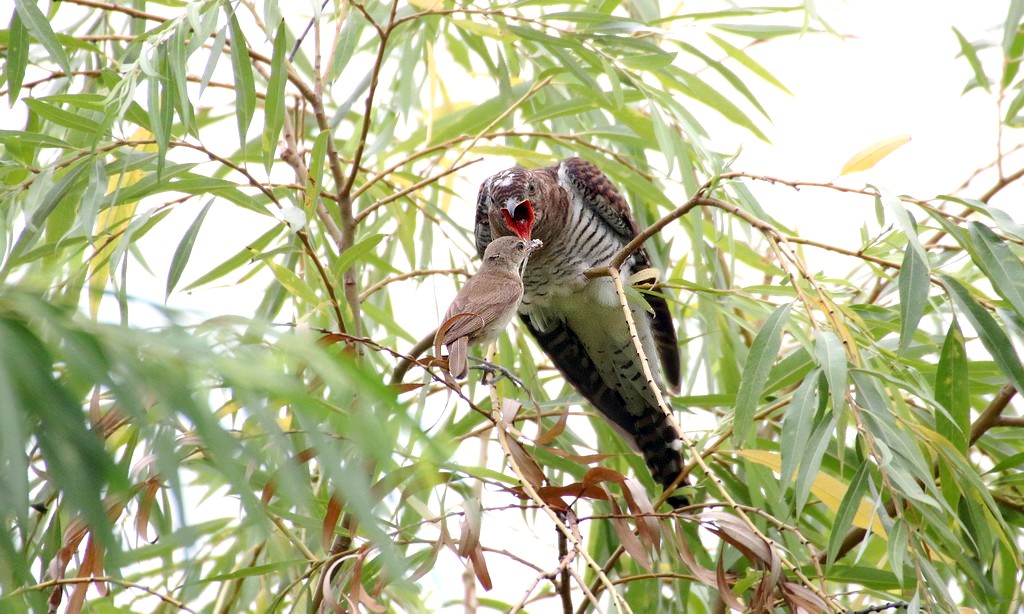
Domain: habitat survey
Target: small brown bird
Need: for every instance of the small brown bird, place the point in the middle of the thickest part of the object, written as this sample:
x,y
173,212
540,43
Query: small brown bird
x,y
487,303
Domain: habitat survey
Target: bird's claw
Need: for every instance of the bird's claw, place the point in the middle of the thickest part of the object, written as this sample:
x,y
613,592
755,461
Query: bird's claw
x,y
489,368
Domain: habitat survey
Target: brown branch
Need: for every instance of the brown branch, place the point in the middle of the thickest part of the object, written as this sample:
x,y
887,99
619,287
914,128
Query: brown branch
x,y
119,8
365,294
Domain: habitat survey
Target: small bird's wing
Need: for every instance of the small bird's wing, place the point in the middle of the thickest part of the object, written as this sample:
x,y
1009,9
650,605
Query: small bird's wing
x,y
476,307
595,190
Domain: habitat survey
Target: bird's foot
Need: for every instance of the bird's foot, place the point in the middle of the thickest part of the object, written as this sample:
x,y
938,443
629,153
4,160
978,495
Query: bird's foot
x,y
491,369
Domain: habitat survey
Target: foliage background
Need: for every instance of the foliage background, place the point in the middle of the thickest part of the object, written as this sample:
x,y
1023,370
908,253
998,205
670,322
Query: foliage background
x,y
184,215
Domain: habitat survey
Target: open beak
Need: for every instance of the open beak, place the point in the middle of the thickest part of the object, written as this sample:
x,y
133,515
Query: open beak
x,y
519,218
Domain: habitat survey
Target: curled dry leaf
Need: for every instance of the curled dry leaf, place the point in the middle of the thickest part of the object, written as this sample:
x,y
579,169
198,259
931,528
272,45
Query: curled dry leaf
x,y
146,501
509,410
330,522
630,543
527,467
470,530
800,599
357,592
549,435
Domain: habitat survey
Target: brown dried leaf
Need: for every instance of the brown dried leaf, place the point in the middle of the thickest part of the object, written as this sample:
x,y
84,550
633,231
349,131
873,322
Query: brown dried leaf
x,y
647,525
725,591
269,489
470,528
357,593
799,598
703,574
733,531
476,557
528,468
409,387
509,410
330,522
146,501
328,588
549,435
629,541
596,475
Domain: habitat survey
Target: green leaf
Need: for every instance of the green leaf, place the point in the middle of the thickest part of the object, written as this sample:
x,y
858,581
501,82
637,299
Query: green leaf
x,y
61,117
245,86
244,256
184,251
847,510
295,285
350,256
763,352
273,104
748,62
832,358
796,425
992,335
39,26
17,57
913,289
1004,269
971,53
952,390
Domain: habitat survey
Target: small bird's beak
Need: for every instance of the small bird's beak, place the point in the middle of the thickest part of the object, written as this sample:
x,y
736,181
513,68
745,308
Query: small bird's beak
x,y
519,218
535,244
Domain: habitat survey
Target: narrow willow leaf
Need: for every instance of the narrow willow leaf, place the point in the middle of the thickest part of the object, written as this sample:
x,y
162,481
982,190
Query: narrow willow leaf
x,y
810,463
832,358
907,223
1004,269
52,198
763,352
743,58
354,253
61,117
37,23
873,154
15,137
184,251
796,425
971,53
17,57
898,547
952,390
317,159
848,509
245,87
273,105
246,255
992,335
211,61
913,289
294,284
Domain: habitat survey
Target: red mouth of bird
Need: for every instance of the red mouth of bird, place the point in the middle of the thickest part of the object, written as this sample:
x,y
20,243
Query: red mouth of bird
x,y
519,218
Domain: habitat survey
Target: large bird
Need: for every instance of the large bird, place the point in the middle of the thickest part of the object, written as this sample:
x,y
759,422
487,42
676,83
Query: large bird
x,y
583,221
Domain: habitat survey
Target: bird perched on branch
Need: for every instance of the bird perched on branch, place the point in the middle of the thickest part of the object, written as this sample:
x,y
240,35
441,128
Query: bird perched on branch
x,y
487,303
583,222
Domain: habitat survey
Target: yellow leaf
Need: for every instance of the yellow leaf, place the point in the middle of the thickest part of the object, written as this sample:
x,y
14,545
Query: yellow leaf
x,y
872,154
825,487
110,223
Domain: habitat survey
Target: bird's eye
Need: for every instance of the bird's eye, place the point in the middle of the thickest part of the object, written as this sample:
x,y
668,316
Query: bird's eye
x,y
530,187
